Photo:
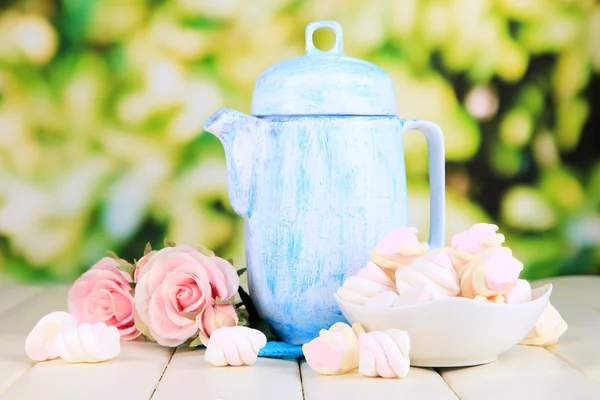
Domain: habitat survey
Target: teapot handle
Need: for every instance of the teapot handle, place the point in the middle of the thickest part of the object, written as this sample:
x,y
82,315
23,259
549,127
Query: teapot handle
x,y
437,187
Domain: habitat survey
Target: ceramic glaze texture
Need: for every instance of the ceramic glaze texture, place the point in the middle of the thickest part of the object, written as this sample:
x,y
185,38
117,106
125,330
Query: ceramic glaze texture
x,y
324,83
319,187
317,194
337,186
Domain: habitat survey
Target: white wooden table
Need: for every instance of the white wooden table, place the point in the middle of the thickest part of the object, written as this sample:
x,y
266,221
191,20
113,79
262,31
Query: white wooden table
x,y
569,370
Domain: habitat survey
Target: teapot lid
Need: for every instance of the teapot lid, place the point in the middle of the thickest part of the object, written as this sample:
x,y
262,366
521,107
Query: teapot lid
x,y
324,83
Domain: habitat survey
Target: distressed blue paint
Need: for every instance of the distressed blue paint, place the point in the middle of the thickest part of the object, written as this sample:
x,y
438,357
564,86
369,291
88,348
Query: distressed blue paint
x,y
324,83
318,191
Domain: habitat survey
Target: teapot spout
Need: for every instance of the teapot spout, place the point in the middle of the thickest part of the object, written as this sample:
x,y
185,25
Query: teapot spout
x,y
245,140
225,121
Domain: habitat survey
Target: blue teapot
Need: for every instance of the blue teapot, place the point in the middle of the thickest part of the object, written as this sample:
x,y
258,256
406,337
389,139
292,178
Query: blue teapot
x,y
318,174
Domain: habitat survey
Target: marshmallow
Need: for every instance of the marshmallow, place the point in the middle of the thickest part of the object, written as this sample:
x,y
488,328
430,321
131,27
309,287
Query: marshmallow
x,y
39,344
384,354
87,343
234,345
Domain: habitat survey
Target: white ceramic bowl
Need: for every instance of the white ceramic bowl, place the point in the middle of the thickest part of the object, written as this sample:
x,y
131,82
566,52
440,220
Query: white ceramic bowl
x,y
454,332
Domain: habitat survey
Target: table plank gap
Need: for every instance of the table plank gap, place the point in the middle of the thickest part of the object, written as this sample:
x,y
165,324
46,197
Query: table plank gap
x,y
580,344
582,290
132,375
267,379
19,320
13,361
439,372
524,372
300,360
421,383
163,373
145,370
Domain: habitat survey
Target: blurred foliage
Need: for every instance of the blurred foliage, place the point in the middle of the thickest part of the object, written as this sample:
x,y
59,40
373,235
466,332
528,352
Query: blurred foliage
x,y
102,105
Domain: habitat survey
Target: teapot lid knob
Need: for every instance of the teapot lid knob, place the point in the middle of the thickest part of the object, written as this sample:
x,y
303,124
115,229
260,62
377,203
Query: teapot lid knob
x,y
338,47
324,83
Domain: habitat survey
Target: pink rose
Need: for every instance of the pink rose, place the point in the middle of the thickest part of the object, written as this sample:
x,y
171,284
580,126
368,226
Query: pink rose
x,y
141,263
213,318
176,285
103,294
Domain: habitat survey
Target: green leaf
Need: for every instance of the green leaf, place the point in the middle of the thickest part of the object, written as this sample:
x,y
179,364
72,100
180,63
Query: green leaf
x,y
112,254
189,315
241,271
254,320
127,268
248,303
242,321
150,338
243,318
205,250
147,249
196,342
168,243
265,328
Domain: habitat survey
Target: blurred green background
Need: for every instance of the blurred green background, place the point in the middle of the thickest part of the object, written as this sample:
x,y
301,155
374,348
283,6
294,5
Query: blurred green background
x,y
102,105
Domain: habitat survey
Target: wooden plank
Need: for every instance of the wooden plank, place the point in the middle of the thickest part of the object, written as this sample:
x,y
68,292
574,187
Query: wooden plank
x,y
133,374
569,369
581,348
580,344
16,322
553,373
420,383
580,289
11,295
522,373
22,317
13,362
190,376
576,315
